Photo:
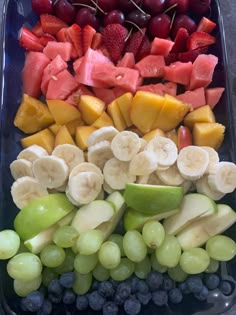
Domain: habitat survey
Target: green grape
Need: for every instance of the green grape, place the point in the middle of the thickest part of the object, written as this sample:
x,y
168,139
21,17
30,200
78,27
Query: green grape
x,y
82,283
143,268
213,266
118,239
68,263
65,236
9,244
134,246
22,248
48,275
85,263
23,288
221,248
75,248
155,264
168,254
24,266
109,255
153,234
123,271
89,242
100,273
177,274
194,260
52,256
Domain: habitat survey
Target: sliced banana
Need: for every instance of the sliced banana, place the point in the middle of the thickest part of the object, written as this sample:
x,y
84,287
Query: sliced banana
x,y
20,168
102,134
144,163
71,154
125,145
165,149
32,153
171,176
26,189
116,174
143,144
143,179
99,153
154,179
107,188
51,171
192,162
62,188
86,167
213,158
222,177
84,187
203,187
72,200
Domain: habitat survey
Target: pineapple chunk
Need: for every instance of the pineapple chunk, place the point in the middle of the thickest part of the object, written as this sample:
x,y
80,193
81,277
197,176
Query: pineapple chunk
x,y
72,125
32,115
54,128
172,135
82,134
201,114
91,108
43,138
208,134
62,111
152,134
63,137
124,103
103,121
114,112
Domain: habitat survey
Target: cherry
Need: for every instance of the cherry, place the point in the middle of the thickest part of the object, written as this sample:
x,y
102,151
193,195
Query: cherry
x,y
87,2
201,6
139,18
128,5
86,16
184,21
42,6
114,17
182,5
159,26
65,11
107,5
154,6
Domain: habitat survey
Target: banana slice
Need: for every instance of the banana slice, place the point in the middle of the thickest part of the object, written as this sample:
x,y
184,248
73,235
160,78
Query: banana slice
x,y
213,158
125,145
99,153
203,187
154,179
26,189
102,134
116,174
32,153
143,179
171,176
107,188
165,149
223,177
144,163
84,187
20,168
62,188
86,167
143,144
51,171
192,162
71,154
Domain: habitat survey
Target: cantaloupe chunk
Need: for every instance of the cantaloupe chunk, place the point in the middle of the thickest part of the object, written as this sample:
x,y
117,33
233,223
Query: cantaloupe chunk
x,y
208,134
115,114
62,111
152,134
124,103
43,138
54,128
72,125
63,137
91,108
201,114
32,115
172,135
103,121
82,134
145,108
171,114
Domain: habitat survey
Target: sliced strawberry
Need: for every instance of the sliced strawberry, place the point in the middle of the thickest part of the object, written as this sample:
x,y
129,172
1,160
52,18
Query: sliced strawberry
x,y
46,38
135,41
97,41
191,55
170,58
51,24
104,51
114,36
87,37
37,29
29,41
200,39
206,25
74,33
145,49
62,35
181,39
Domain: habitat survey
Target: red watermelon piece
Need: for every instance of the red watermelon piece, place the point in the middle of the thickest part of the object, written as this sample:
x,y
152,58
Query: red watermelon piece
x,y
151,66
161,46
128,60
179,72
170,88
77,64
213,96
55,48
158,88
73,99
106,95
118,91
195,98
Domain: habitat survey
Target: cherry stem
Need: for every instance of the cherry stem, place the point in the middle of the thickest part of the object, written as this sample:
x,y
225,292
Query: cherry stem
x,y
135,25
98,7
172,20
129,34
138,7
170,8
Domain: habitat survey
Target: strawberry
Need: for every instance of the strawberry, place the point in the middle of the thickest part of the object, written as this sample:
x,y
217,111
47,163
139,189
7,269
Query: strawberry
x,y
97,41
62,35
43,40
206,25
29,41
170,58
180,43
145,49
37,29
114,37
51,24
74,33
87,37
135,41
191,55
200,39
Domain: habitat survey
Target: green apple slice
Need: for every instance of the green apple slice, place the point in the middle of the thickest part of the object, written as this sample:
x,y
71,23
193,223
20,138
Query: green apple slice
x,y
153,199
41,214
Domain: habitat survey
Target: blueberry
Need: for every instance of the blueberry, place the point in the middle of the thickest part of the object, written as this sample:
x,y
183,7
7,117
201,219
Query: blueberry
x,y
114,283
203,294
23,304
46,309
226,287
212,281
144,298
138,285
96,301
110,308
55,299
69,297
167,284
183,287
123,290
82,302
132,306
55,287
154,280
106,289
95,285
160,298
194,284
134,284
67,280
175,296
34,301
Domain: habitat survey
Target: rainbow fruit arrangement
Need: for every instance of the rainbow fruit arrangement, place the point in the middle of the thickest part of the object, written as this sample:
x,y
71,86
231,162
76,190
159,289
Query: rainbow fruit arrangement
x,y
119,176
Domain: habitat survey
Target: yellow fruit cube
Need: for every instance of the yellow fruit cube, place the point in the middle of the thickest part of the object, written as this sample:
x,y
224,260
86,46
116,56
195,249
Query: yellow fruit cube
x,y
103,121
54,128
208,134
82,134
91,108
114,112
43,138
32,115
63,137
72,125
172,135
201,114
152,134
62,111
124,103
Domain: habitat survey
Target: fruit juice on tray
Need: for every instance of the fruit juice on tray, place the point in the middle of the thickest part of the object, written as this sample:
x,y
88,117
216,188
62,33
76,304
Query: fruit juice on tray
x,y
117,159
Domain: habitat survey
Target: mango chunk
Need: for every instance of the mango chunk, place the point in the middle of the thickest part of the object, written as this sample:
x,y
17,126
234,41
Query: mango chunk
x,y
62,111
82,134
172,135
54,128
208,134
32,115
73,124
199,115
63,137
91,108
43,138
103,121
152,134
115,113
124,103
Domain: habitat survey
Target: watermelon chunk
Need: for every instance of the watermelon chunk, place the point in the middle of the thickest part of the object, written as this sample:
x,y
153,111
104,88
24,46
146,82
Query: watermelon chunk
x,y
158,88
55,48
213,96
195,98
170,88
203,70
106,95
73,99
118,91
77,64
179,72
128,60
61,86
161,46
32,73
151,66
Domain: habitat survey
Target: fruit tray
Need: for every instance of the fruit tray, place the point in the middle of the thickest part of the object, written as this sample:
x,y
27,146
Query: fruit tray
x,y
18,13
